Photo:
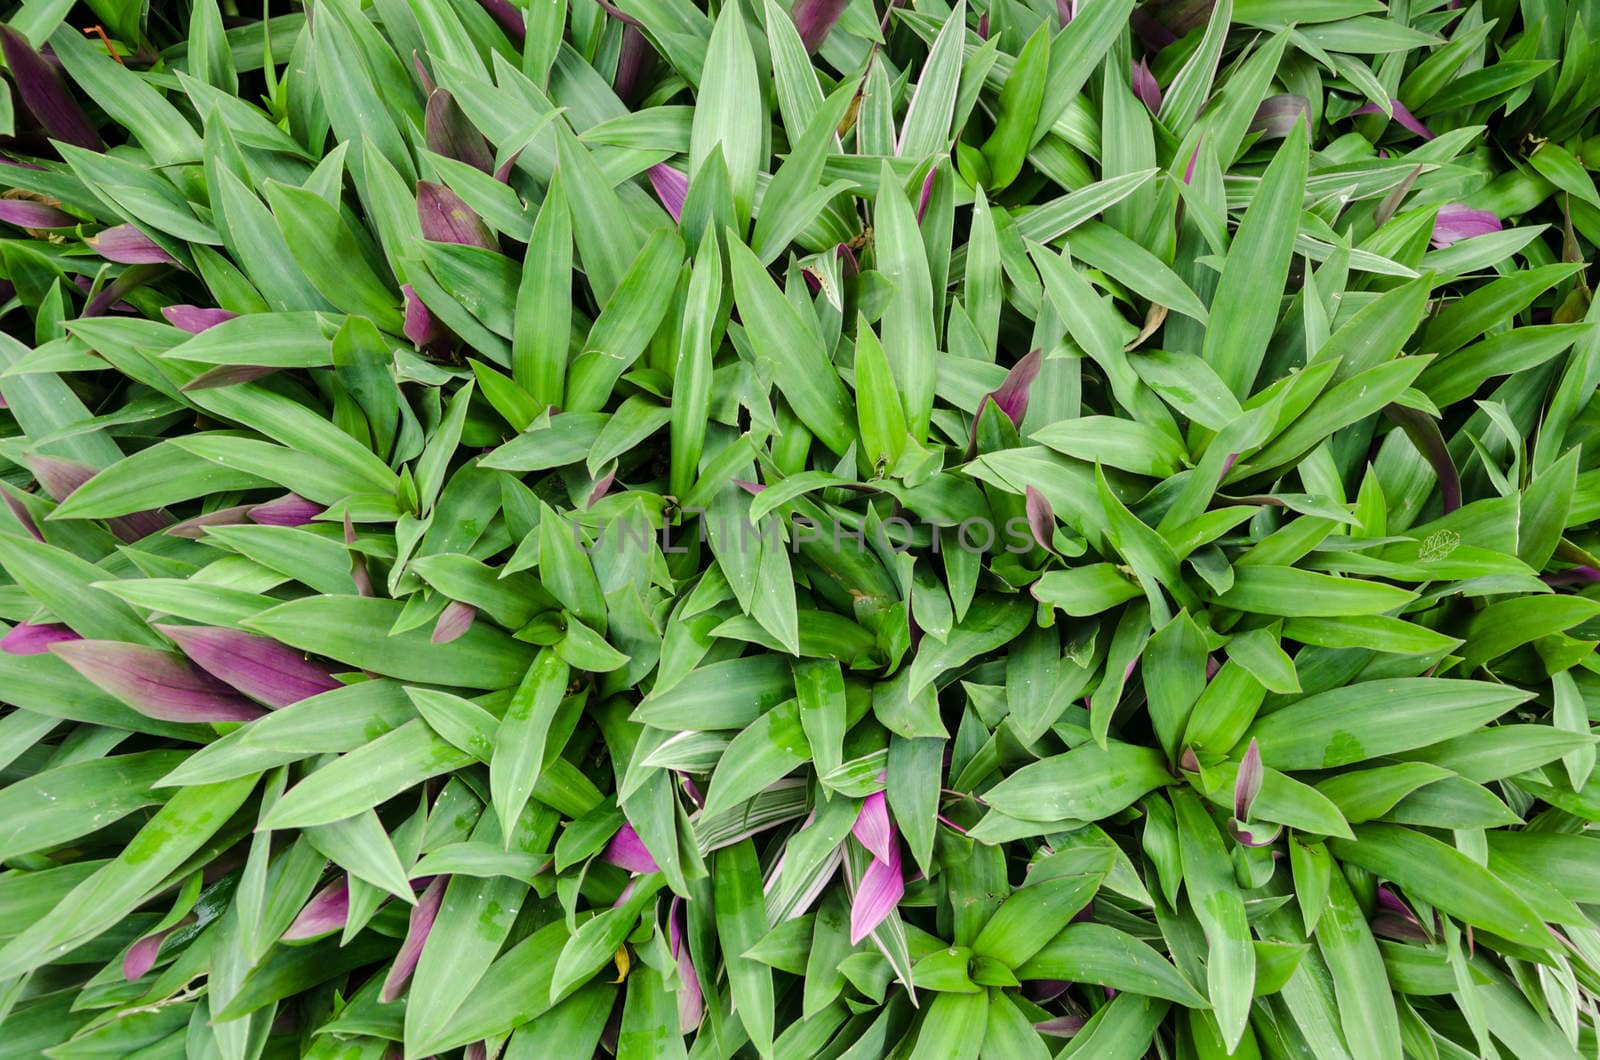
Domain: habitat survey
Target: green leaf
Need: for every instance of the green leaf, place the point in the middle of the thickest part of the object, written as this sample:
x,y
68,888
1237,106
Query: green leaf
x,y
1377,718
521,742
329,255
1218,905
177,831
1365,1005
346,628
1084,784
1446,878
1245,306
728,115
1100,954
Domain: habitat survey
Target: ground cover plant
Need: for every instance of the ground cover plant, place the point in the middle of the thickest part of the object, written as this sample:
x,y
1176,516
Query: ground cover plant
x,y
999,529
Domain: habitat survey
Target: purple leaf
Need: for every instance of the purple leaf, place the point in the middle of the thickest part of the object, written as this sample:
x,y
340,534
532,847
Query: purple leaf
x,y
227,375
453,622
1160,23
926,193
1390,902
110,296
1012,396
427,332
289,510
847,259
1581,575
872,827
47,99
1060,1026
405,961
194,529
1423,430
1041,519
1044,991
1146,87
358,559
1247,785
258,666
691,1003
327,911
35,638
503,172
60,478
671,187
195,319
20,513
1395,919
1456,222
1388,926
691,789
620,15
509,17
633,63
815,19
1277,115
1402,115
983,24
449,133
141,956
422,75
446,218
626,850
86,285
126,245
1066,10
880,890
25,213
155,683
1194,156
602,486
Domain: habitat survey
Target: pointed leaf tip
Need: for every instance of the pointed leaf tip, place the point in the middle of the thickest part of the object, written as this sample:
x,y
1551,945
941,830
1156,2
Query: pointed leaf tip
x,y
327,911
423,915
1456,221
882,886
35,638
872,827
155,683
671,187
127,245
45,95
1146,87
446,218
626,850
258,666
289,510
1247,784
195,319
453,622
815,19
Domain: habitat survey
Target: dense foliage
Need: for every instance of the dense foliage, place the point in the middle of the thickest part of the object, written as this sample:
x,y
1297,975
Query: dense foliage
x,y
1005,529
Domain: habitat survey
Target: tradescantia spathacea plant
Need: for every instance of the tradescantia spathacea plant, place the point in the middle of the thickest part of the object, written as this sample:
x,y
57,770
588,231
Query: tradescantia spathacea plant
x,y
1002,529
